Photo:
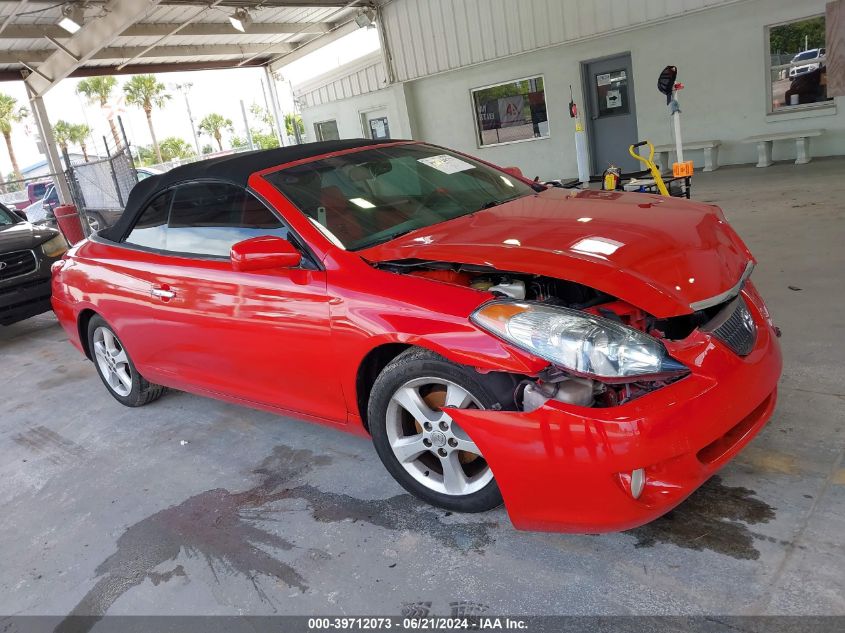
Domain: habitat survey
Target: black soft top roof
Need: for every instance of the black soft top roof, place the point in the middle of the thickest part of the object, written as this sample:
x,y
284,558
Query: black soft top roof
x,y
235,168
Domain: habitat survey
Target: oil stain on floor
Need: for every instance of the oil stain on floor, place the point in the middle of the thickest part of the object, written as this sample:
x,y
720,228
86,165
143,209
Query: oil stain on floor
x,y
221,527
716,517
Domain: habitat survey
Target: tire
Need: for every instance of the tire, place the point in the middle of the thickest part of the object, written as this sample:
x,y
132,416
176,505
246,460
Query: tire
x,y
116,369
428,462
95,221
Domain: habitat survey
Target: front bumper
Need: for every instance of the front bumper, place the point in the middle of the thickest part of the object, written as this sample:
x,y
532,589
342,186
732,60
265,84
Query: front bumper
x,y
24,299
559,467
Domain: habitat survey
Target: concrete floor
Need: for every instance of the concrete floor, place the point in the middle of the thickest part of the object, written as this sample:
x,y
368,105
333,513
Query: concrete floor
x,y
191,506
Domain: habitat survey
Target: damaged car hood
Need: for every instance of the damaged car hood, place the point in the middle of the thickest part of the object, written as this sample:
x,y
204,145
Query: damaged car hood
x,y
664,255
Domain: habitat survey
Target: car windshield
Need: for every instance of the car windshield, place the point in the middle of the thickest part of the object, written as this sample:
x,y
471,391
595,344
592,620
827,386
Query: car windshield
x,y
800,57
38,189
372,196
7,217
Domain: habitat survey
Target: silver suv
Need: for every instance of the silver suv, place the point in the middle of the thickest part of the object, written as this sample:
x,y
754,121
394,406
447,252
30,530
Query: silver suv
x,y
806,62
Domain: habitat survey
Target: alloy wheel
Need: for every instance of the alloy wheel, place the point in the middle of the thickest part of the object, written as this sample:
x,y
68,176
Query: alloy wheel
x,y
112,361
428,444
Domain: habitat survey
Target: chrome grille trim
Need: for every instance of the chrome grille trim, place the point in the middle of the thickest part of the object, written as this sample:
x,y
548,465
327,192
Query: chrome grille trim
x,y
730,293
17,264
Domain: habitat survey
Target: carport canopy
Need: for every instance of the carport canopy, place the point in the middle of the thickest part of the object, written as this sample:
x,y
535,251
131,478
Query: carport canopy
x,y
107,37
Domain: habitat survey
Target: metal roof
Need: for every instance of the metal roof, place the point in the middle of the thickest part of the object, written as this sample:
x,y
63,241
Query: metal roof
x,y
132,36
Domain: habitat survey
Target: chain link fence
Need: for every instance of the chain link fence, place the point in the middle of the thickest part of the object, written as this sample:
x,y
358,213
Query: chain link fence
x,y
100,188
32,198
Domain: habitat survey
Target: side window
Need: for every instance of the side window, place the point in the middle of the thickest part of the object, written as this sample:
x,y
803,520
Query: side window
x,y
208,218
151,227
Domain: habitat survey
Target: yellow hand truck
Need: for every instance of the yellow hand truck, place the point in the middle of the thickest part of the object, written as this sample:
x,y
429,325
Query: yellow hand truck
x,y
655,172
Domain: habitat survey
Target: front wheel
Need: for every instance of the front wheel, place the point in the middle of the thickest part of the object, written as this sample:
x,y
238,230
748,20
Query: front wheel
x,y
418,442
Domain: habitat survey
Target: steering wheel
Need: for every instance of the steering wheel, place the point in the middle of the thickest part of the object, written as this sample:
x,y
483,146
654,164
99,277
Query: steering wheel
x,y
437,193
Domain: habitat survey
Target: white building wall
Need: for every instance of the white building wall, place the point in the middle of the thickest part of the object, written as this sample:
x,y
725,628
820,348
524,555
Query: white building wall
x,y
349,114
432,36
348,93
722,59
350,80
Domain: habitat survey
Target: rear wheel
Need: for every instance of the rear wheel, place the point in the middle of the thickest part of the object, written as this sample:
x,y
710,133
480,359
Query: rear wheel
x,y
428,453
116,369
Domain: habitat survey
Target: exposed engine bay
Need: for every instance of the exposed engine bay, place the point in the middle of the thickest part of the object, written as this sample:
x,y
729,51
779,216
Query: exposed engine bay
x,y
554,383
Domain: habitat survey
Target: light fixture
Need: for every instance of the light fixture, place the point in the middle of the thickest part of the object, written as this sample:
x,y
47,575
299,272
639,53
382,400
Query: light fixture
x,y
73,15
362,202
365,18
241,19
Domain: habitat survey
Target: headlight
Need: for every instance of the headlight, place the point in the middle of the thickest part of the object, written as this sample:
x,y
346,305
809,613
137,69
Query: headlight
x,y
55,246
577,342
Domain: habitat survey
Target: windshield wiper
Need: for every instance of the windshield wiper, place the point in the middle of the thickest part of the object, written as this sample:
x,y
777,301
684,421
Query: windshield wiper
x,y
383,239
491,204
496,203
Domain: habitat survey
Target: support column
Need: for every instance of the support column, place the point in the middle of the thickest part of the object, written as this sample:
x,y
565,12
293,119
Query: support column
x,y
276,108
45,131
246,126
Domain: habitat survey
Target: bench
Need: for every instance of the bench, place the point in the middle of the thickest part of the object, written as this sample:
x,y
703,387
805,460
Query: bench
x,y
711,153
802,145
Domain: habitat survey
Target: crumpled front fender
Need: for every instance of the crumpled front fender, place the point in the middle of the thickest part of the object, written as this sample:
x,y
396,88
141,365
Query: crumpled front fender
x,y
559,467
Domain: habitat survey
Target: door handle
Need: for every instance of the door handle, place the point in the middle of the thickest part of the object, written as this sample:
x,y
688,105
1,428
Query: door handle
x,y
162,293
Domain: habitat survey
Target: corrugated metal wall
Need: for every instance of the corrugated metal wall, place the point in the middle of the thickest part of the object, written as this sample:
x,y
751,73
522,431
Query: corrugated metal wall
x,y
357,78
432,36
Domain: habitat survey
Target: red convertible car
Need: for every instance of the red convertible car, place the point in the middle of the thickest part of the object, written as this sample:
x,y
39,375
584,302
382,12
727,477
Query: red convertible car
x,y
588,358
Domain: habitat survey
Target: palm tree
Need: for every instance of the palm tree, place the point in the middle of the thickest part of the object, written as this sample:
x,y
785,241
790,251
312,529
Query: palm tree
x,y
63,133
79,135
213,124
11,113
174,147
98,91
146,92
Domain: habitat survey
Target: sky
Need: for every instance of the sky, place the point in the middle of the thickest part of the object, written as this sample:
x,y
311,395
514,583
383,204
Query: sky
x,y
212,91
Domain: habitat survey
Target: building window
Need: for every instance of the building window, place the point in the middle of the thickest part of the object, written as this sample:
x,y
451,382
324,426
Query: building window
x,y
326,131
798,69
511,112
612,93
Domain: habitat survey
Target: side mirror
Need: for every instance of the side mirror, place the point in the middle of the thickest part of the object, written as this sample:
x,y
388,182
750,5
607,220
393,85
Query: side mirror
x,y
513,171
264,253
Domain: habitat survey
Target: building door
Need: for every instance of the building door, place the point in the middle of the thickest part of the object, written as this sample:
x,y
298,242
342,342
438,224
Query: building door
x,y
612,113
376,125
